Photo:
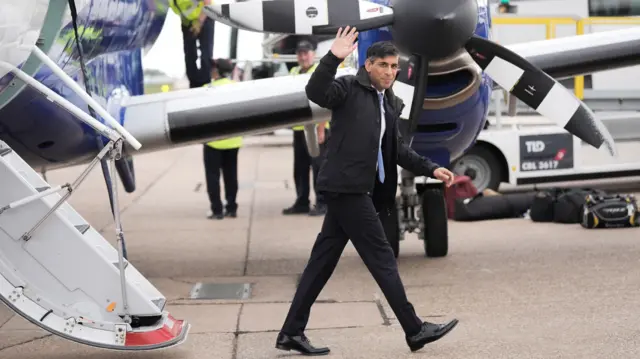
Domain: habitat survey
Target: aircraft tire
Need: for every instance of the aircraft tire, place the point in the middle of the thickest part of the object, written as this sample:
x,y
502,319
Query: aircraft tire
x,y
483,165
434,216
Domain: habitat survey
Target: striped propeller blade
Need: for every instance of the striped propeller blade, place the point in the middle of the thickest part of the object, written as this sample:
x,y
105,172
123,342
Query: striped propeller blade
x,y
303,17
539,91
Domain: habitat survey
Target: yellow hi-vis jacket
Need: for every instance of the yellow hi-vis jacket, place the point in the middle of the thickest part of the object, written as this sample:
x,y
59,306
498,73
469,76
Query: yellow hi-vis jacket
x,y
227,143
296,71
188,10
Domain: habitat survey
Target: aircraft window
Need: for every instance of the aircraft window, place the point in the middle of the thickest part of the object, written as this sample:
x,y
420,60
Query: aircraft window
x,y
614,7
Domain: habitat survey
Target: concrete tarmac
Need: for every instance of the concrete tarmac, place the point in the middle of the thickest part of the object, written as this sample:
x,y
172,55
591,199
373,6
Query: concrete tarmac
x,y
520,289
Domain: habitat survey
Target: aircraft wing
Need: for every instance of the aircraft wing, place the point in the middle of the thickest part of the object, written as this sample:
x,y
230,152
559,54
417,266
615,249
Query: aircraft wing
x,y
197,115
579,55
252,107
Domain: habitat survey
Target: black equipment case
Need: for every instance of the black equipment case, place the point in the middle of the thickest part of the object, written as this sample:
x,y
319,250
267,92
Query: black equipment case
x,y
610,211
481,207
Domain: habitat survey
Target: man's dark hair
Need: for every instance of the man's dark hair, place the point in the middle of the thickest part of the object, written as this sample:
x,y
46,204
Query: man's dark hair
x,y
381,50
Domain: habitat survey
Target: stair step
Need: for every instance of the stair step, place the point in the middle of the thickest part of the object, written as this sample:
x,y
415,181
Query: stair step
x,y
117,264
82,228
5,151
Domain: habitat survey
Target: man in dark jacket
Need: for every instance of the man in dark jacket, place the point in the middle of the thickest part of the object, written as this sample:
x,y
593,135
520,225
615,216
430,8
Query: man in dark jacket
x,y
359,178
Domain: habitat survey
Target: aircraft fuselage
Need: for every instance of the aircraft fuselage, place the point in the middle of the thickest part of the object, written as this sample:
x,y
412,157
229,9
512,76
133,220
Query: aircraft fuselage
x,y
113,35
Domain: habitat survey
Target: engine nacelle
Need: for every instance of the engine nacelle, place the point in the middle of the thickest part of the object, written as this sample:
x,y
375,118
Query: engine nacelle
x,y
451,81
454,107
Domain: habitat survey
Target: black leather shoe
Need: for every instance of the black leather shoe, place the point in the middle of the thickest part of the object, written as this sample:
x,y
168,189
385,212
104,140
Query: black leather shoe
x,y
212,215
318,210
299,343
429,333
296,210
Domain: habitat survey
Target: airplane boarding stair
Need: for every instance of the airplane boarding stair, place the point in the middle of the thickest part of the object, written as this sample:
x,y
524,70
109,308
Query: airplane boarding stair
x,y
58,272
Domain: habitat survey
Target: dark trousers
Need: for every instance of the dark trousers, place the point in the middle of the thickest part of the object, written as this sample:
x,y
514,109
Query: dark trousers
x,y
227,161
302,163
350,216
204,40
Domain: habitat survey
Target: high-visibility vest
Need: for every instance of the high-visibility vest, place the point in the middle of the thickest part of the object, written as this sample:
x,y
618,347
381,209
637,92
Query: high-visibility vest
x,y
296,71
227,143
188,10
220,81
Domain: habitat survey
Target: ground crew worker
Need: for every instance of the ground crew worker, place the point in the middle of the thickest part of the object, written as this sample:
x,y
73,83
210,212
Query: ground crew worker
x,y
302,161
196,26
222,155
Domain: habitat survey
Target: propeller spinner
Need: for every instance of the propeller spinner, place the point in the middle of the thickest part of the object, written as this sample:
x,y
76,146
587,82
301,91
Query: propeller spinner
x,y
430,30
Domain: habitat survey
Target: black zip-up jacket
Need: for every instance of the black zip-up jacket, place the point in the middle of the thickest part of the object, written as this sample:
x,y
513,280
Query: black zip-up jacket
x,y
352,150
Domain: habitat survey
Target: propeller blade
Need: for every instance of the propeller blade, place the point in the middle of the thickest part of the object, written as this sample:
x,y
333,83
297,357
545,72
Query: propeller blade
x,y
540,91
420,74
412,85
302,17
404,87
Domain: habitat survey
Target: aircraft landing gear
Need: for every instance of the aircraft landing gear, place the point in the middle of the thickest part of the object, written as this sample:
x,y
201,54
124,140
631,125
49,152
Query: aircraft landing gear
x,y
421,208
434,220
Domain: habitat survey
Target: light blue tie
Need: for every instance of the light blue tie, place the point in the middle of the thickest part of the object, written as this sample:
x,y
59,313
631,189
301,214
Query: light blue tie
x,y
380,162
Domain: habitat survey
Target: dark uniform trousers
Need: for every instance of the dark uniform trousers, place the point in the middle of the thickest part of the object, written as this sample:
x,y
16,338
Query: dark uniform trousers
x,y
198,77
302,160
227,161
351,216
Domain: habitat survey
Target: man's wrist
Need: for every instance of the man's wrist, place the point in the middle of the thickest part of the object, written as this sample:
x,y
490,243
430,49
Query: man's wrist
x,y
332,58
336,56
432,170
